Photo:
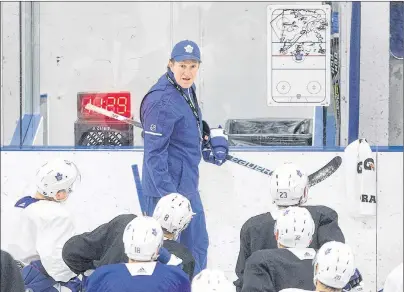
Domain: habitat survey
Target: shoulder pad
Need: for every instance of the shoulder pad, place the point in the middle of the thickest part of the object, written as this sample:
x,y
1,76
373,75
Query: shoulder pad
x,y
25,202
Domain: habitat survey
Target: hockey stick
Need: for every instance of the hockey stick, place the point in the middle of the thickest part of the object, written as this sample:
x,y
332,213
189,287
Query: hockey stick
x,y
231,158
314,178
325,172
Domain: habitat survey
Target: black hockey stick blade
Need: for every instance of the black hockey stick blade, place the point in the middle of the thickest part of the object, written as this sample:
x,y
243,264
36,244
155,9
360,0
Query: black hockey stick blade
x,y
325,172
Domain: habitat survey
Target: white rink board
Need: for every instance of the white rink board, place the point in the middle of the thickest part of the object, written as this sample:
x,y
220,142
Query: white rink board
x,y
298,55
231,194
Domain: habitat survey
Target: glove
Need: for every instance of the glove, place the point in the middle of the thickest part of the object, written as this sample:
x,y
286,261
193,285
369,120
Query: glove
x,y
355,283
74,284
164,256
219,145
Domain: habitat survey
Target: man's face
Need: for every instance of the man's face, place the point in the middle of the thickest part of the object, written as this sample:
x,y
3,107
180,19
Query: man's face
x,y
185,72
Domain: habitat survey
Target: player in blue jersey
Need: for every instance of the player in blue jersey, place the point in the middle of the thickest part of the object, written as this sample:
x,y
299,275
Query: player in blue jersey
x,y
143,238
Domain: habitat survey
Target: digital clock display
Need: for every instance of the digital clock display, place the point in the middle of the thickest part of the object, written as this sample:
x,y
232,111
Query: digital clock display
x,y
117,102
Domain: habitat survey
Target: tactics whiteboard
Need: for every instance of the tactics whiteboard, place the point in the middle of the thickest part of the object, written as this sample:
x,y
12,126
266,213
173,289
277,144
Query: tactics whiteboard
x,y
299,57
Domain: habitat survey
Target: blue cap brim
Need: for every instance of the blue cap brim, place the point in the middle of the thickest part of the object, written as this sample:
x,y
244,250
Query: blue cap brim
x,y
185,57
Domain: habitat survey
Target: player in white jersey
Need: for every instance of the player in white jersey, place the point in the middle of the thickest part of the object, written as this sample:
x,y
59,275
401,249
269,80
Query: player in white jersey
x,y
209,280
142,238
42,225
333,268
394,281
289,265
289,186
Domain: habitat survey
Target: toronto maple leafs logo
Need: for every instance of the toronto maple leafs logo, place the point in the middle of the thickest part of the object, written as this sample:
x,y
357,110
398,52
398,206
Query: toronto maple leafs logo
x,y
59,176
189,49
154,231
327,251
299,173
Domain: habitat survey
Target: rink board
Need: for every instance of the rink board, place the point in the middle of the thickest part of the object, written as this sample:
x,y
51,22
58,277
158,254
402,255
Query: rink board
x,y
231,194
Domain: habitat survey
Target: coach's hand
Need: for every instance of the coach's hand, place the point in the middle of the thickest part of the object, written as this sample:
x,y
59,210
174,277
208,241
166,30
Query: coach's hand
x,y
219,147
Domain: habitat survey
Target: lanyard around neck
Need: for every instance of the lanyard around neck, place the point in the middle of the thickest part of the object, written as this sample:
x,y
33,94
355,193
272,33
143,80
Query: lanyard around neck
x,y
186,97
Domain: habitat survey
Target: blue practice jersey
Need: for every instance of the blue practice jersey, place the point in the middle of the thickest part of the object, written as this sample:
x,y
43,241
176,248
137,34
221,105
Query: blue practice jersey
x,y
138,277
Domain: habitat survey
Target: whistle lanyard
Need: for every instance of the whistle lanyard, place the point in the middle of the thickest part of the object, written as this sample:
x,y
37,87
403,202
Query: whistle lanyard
x,y
189,102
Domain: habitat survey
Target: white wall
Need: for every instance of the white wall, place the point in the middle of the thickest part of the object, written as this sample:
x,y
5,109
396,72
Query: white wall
x,y
231,194
125,46
374,72
396,102
10,74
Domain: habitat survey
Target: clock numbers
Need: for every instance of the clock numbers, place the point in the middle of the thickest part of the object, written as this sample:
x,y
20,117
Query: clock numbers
x,y
110,104
118,103
122,103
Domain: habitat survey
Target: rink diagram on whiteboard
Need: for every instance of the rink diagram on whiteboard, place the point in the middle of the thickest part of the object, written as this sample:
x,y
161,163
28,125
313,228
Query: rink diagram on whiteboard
x,y
299,55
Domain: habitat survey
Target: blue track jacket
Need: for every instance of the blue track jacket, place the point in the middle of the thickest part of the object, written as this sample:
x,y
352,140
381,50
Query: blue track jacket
x,y
172,141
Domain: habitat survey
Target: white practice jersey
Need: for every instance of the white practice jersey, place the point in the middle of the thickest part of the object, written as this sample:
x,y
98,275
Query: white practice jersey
x,y
394,281
37,230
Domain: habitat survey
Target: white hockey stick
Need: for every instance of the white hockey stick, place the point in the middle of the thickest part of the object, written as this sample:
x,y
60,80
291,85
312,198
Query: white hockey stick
x,y
113,115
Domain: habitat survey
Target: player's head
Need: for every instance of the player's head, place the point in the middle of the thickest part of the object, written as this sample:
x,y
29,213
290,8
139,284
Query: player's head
x,y
142,239
333,265
56,179
289,185
211,281
174,213
294,227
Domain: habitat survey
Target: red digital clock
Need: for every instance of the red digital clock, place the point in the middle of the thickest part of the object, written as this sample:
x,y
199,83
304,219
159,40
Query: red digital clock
x,y
117,102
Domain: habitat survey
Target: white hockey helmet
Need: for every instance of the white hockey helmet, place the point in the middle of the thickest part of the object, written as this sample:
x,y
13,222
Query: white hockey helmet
x,y
142,239
289,185
294,227
334,265
174,213
211,281
57,175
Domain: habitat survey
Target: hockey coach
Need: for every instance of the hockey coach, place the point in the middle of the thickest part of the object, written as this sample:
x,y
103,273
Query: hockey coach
x,y
175,140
